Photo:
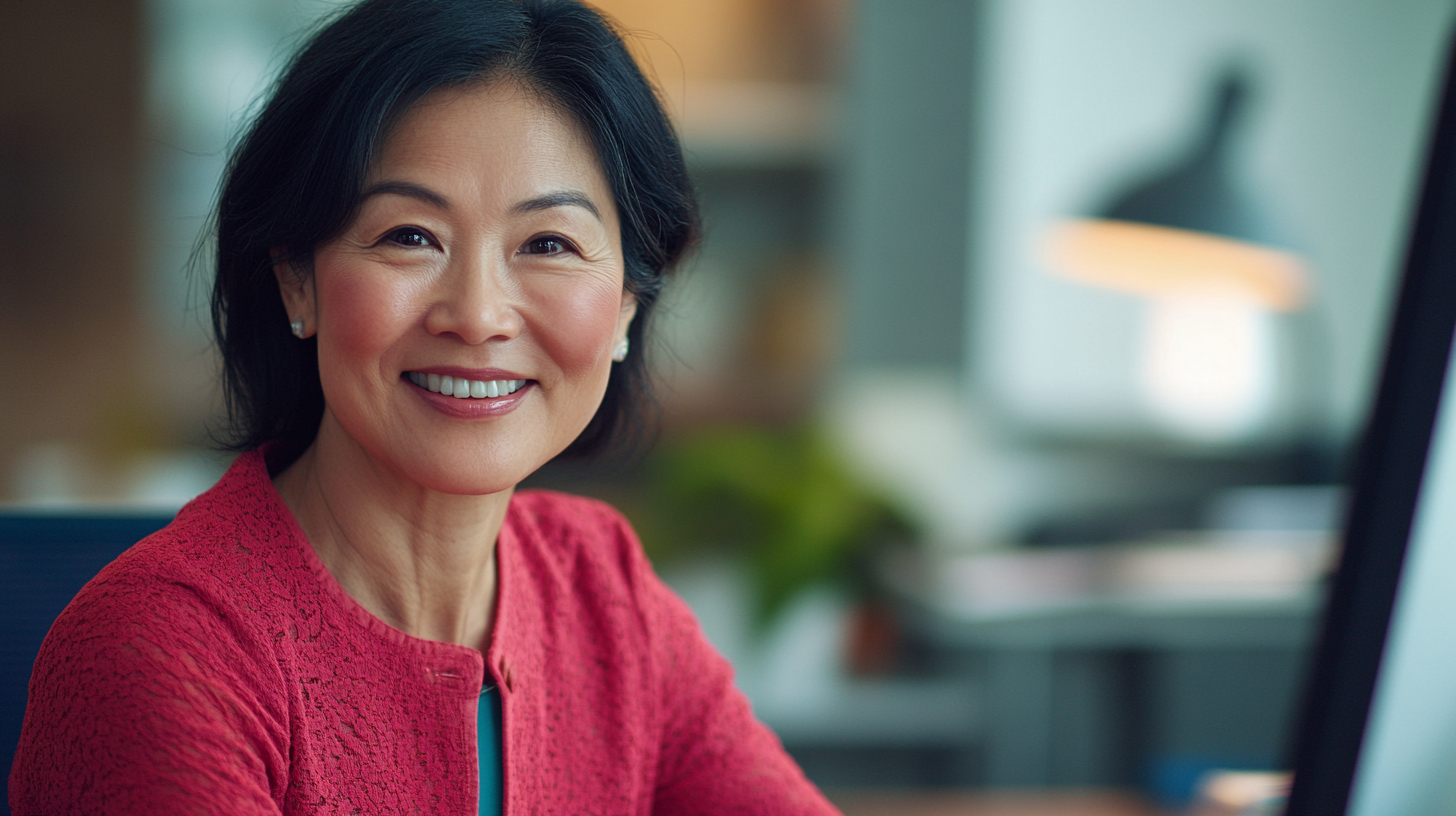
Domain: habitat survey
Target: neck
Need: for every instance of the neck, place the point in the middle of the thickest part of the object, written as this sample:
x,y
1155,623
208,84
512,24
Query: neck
x,y
420,560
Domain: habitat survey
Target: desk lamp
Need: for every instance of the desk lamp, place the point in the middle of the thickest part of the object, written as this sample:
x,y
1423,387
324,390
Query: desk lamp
x,y
1201,255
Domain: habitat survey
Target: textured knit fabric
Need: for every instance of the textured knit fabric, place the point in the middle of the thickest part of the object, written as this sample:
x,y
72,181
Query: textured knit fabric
x,y
217,667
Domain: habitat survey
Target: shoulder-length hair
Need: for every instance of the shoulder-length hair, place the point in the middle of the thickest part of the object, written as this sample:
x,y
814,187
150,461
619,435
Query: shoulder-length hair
x,y
297,177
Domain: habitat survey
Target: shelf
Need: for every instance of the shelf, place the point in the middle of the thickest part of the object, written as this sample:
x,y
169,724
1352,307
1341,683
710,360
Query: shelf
x,y
748,125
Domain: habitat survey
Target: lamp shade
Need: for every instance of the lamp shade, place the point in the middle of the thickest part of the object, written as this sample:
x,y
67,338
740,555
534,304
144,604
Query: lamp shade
x,y
1158,261
1197,193
1186,229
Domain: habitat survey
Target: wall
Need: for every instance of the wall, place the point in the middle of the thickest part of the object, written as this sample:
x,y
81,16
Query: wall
x,y
71,129
1076,96
1031,413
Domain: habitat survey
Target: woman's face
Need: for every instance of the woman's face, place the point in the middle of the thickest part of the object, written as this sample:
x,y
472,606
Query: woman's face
x,y
487,249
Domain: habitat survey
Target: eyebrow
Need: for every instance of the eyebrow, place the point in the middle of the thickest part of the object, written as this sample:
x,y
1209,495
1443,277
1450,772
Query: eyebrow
x,y
563,198
408,190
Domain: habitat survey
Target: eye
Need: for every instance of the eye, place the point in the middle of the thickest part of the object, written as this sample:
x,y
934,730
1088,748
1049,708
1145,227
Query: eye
x,y
547,245
412,237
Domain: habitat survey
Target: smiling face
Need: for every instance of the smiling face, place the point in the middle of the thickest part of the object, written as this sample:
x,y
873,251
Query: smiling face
x,y
487,249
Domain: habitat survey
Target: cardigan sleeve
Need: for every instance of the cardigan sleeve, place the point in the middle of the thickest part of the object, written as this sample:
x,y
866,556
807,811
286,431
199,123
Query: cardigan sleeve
x,y
716,757
145,699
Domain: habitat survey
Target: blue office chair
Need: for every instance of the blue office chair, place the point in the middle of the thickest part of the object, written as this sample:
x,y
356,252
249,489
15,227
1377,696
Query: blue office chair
x,y
45,558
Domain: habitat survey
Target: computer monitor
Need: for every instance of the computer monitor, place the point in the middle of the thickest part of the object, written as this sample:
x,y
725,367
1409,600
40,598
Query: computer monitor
x,y
1378,736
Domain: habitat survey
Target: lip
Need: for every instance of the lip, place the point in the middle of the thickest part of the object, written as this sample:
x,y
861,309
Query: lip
x,y
472,408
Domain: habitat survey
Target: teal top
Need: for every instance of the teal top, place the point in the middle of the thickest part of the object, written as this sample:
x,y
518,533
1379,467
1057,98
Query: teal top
x,y
488,734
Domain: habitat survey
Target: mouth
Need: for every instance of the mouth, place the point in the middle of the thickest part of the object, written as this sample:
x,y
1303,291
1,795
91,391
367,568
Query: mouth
x,y
461,388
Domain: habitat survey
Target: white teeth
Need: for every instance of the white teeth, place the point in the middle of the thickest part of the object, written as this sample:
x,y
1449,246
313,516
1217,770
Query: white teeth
x,y
461,388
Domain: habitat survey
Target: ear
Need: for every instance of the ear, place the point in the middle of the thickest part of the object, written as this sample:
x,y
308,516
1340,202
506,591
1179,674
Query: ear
x,y
624,318
296,289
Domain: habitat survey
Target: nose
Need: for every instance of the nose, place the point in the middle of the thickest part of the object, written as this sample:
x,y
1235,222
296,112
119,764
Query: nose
x,y
475,301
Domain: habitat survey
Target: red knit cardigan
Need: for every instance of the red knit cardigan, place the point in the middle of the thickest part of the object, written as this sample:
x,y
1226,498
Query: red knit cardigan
x,y
217,667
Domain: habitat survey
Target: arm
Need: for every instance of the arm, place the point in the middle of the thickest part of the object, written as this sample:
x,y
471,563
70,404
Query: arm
x,y
716,757
144,700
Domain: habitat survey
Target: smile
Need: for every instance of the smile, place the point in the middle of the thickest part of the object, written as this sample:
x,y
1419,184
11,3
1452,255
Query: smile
x,y
462,388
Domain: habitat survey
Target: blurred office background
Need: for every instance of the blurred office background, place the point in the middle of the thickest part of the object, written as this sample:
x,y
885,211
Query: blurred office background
x,y
1005,406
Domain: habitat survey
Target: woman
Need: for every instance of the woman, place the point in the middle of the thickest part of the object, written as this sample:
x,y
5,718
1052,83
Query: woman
x,y
438,248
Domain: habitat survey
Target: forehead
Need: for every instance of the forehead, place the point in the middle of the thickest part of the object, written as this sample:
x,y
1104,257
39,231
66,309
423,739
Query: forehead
x,y
499,134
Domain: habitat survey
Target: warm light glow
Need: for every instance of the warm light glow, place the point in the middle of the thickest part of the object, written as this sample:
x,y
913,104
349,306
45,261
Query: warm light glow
x,y
1207,368
1166,262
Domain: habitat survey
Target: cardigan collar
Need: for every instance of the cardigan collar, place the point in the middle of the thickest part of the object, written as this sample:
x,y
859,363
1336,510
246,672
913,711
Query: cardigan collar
x,y
512,652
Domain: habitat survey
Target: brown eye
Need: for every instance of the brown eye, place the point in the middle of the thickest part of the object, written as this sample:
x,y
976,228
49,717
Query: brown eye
x,y
547,245
413,237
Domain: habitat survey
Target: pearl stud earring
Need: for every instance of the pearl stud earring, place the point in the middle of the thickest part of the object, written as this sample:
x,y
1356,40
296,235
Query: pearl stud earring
x,y
297,327
620,352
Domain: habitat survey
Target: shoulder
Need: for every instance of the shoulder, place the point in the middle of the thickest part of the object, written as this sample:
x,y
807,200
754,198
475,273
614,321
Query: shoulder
x,y
568,519
151,627
571,525
583,546
202,585
231,546
148,690
567,515
168,586
569,529
163,658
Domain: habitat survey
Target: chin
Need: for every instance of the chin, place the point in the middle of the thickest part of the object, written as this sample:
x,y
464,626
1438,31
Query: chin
x,y
455,485
463,462
466,472
478,478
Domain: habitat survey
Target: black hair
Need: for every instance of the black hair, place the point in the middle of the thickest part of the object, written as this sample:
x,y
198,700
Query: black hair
x,y
296,179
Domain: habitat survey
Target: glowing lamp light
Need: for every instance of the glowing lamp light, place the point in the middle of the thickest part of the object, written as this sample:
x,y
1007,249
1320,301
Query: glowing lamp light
x,y
1158,261
1198,253
1207,369
1208,351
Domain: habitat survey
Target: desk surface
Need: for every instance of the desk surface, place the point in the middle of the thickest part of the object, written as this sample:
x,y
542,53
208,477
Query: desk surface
x,y
1121,624
1010,803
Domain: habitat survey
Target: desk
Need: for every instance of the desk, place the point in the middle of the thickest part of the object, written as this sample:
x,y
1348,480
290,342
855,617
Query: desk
x,y
1090,693
1029,803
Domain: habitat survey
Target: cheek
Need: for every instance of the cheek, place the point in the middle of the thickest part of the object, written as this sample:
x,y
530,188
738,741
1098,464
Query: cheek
x,y
582,323
360,316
